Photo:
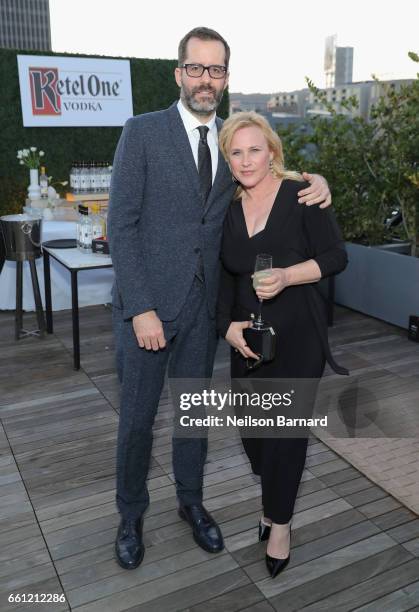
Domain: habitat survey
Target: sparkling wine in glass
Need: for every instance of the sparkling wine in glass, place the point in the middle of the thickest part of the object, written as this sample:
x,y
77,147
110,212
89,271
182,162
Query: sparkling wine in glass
x,y
263,269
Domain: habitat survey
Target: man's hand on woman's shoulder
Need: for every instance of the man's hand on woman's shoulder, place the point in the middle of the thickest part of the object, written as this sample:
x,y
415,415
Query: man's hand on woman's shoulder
x,y
317,193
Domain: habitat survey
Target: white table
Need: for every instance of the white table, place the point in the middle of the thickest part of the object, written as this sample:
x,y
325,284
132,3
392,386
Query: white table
x,y
94,285
74,262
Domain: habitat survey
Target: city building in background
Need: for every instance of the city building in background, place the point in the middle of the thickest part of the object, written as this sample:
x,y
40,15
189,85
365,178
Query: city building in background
x,y
289,102
248,102
290,107
367,93
338,63
286,108
25,24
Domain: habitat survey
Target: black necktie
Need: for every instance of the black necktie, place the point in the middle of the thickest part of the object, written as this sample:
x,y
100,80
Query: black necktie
x,y
204,162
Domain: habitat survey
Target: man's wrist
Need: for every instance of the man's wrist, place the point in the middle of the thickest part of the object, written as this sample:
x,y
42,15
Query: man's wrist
x,y
146,312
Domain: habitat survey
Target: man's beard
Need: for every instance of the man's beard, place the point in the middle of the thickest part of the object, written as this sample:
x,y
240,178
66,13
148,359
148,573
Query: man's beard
x,y
205,107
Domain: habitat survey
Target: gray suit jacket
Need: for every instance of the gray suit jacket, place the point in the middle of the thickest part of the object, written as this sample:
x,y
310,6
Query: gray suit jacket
x,y
158,223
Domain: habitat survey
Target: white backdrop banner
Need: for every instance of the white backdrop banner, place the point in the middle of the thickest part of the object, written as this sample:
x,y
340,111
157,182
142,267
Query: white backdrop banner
x,y
73,91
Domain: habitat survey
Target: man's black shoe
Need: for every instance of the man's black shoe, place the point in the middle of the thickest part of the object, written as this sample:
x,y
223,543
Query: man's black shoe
x,y
206,532
129,547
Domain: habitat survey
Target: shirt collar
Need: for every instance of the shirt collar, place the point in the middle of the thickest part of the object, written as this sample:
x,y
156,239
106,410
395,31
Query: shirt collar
x,y
190,122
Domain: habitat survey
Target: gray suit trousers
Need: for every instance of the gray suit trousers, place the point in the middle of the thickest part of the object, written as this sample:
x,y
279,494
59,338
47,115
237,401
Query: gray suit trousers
x,y
189,353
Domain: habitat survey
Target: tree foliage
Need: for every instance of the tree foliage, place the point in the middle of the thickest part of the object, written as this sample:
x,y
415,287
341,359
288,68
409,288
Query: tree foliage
x,y
371,166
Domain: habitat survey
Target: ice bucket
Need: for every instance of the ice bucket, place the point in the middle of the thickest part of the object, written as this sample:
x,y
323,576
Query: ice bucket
x,y
21,237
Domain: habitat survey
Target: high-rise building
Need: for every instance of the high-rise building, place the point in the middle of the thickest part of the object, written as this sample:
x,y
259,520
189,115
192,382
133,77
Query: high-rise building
x,y
344,65
25,24
338,63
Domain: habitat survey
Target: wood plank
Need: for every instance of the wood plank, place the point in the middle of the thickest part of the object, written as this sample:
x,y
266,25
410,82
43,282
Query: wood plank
x,y
347,531
229,591
294,576
313,591
370,591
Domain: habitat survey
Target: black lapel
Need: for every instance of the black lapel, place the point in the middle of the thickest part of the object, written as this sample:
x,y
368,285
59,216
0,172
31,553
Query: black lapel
x,y
183,148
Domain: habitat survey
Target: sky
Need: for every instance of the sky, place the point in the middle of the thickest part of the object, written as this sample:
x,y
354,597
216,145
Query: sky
x,y
274,44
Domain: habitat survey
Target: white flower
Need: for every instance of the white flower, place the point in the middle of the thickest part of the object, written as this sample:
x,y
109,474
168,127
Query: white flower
x,y
25,152
21,162
41,154
33,149
19,154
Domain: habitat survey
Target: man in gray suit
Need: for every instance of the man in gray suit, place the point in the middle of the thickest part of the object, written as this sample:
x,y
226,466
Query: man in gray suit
x,y
169,194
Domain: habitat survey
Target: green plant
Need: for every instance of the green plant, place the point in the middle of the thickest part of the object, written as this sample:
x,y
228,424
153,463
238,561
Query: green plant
x,y
370,165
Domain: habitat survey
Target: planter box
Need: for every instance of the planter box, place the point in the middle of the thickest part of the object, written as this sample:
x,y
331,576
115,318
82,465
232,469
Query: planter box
x,y
380,282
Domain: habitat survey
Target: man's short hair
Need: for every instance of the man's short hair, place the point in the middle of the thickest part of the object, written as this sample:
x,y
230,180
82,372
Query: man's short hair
x,y
203,34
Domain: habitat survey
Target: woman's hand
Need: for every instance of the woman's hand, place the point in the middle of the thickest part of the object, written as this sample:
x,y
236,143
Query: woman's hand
x,y
234,337
273,284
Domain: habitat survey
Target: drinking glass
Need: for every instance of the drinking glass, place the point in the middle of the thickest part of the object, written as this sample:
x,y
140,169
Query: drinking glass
x,y
263,269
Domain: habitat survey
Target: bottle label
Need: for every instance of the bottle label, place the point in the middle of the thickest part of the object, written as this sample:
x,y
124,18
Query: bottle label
x,y
86,238
85,181
97,231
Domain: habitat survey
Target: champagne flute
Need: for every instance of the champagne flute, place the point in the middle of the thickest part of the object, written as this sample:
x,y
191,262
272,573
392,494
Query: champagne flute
x,y
263,269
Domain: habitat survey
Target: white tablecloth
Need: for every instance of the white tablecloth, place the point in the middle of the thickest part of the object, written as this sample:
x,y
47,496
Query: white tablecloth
x,y
94,285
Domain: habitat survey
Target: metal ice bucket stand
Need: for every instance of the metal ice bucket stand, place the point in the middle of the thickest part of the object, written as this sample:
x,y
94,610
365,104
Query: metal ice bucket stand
x,y
21,238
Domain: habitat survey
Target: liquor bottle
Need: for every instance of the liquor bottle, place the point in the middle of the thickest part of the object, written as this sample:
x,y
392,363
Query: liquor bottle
x,y
43,183
84,178
109,176
85,231
103,176
94,183
105,221
98,223
75,177
78,225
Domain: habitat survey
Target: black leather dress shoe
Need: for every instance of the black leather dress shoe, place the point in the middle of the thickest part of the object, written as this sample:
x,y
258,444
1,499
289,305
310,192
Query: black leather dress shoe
x,y
206,532
129,547
264,531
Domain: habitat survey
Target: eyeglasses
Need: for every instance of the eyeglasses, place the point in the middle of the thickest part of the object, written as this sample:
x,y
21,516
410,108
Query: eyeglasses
x,y
197,70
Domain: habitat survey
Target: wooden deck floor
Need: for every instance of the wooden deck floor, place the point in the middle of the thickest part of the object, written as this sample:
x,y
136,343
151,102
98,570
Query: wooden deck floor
x,y
354,546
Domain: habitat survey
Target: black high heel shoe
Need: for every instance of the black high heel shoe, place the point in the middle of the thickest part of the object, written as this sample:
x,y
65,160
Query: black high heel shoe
x,y
276,566
264,531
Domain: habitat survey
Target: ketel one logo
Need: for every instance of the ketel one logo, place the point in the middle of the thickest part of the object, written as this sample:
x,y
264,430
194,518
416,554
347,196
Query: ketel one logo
x,y
45,98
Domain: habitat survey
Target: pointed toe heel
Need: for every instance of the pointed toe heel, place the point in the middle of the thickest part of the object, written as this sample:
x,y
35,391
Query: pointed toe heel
x,y
275,566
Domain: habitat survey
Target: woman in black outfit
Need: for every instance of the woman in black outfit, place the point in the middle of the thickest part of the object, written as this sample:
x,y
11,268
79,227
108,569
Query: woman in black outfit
x,y
306,245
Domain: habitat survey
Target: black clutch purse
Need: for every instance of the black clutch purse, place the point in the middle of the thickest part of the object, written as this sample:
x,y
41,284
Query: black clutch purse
x,y
261,339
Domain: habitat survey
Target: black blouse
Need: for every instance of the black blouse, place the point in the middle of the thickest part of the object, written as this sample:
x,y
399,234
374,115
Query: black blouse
x,y
293,233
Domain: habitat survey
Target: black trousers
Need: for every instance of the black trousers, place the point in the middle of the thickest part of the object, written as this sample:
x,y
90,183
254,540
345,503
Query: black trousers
x,y
189,353
280,461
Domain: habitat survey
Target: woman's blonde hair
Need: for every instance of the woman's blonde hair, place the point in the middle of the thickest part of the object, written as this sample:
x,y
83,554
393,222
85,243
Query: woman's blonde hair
x,y
241,120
